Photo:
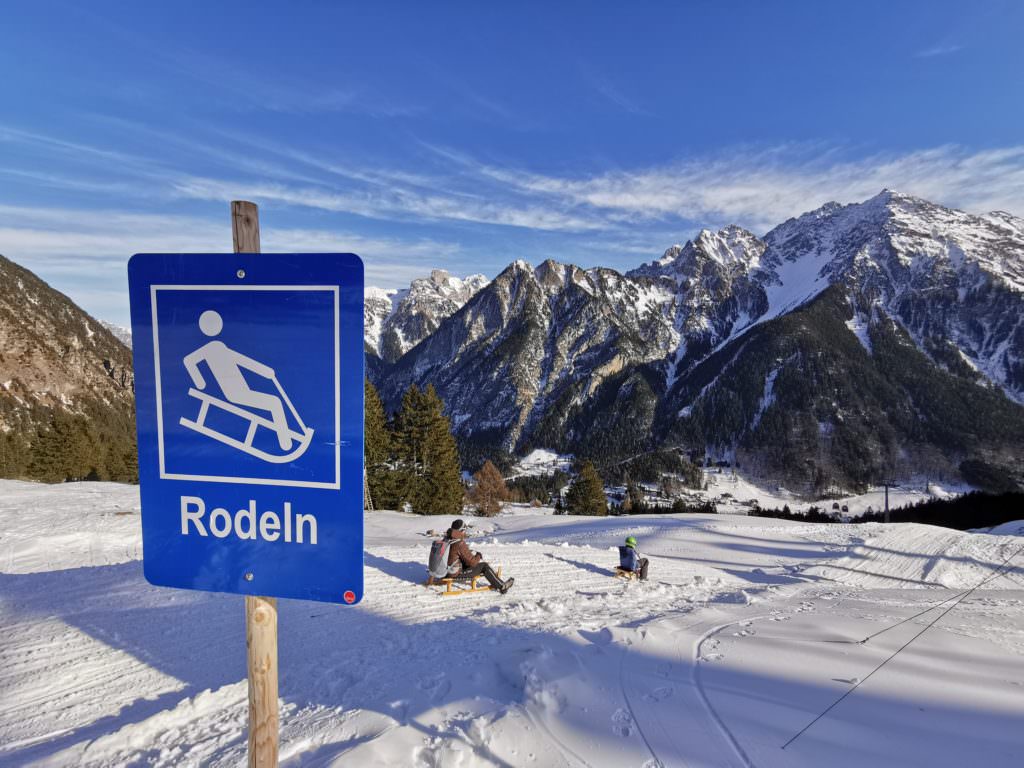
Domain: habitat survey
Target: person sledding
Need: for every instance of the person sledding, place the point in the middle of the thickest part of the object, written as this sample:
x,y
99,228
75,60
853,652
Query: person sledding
x,y
228,368
631,564
460,563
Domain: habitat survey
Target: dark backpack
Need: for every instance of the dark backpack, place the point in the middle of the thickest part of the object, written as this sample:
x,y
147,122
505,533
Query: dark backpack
x,y
438,566
628,559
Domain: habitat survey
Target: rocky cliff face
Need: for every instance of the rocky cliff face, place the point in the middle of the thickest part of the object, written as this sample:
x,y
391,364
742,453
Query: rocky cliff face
x,y
397,320
533,347
61,373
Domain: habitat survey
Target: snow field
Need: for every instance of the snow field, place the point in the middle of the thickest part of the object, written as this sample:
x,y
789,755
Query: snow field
x,y
747,629
46,528
916,556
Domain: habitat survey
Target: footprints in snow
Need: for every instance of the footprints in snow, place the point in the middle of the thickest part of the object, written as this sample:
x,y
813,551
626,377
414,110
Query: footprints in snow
x,y
745,630
711,652
622,723
659,694
435,686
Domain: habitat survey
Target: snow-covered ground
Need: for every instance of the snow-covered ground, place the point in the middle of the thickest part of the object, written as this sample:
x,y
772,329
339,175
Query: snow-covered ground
x,y
733,492
746,631
540,461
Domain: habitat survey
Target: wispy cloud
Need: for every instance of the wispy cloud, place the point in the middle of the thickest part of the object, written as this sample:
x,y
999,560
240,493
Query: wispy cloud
x,y
83,245
760,188
937,50
396,203
252,90
756,187
296,178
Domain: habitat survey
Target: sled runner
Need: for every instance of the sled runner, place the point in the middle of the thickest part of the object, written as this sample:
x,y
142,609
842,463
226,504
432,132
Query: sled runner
x,y
466,586
301,439
624,573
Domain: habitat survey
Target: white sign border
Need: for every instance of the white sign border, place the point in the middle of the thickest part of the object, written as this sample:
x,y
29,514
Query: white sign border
x,y
164,475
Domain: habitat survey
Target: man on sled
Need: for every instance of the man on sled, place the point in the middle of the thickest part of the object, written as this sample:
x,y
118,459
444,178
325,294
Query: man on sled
x,y
451,559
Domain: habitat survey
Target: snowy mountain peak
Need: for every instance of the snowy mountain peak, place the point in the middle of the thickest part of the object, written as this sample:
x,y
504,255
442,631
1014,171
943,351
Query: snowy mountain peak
x,y
552,274
561,356
732,248
942,272
395,321
442,283
896,230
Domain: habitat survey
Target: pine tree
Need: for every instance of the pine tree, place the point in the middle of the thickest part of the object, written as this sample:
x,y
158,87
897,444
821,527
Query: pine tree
x,y
377,449
428,475
586,495
489,490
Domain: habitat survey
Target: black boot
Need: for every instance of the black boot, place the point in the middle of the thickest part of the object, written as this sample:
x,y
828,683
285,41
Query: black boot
x,y
507,585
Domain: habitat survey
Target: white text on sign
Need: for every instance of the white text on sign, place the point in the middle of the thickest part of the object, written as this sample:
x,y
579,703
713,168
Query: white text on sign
x,y
246,523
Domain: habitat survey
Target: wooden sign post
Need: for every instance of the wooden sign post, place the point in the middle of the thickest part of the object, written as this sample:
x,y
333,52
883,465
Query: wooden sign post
x,y
260,612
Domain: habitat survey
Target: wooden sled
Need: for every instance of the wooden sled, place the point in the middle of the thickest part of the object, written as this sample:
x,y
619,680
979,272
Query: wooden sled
x,y
622,573
466,586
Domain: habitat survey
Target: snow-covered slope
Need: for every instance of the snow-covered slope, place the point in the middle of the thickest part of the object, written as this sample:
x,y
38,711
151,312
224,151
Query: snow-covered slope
x,y
735,644
378,305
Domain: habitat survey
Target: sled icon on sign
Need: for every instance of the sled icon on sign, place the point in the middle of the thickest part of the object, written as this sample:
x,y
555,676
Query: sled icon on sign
x,y
226,366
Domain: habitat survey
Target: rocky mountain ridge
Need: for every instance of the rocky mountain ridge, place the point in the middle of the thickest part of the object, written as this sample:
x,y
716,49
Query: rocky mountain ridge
x,y
609,363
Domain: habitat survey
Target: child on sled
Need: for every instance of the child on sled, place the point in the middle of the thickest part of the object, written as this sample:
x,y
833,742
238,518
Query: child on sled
x,y
630,561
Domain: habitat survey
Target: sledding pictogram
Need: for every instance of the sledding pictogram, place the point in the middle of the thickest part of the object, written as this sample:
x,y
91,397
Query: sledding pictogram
x,y
227,366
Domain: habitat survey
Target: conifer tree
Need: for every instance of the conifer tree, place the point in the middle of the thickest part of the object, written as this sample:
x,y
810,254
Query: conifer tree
x,y
377,449
586,495
429,476
489,490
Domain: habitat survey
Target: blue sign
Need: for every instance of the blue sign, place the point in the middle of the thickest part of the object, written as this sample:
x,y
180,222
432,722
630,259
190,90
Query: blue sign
x,y
249,406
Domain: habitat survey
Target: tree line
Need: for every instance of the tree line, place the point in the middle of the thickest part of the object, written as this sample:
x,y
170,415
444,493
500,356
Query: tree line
x,y
972,510
68,447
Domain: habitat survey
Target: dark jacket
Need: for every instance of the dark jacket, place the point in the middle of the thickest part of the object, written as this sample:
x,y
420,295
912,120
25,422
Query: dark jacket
x,y
459,551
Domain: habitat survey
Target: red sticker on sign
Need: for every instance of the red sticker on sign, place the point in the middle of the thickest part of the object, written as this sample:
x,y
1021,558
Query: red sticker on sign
x,y
350,596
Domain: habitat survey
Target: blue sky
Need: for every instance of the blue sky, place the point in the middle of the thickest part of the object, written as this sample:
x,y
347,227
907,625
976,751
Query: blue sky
x,y
468,135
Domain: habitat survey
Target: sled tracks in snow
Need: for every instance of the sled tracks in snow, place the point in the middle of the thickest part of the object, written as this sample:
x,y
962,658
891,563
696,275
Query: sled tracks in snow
x,y
679,726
